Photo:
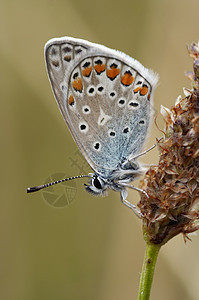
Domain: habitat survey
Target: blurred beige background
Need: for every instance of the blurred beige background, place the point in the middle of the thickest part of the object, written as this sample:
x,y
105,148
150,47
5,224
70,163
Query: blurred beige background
x,y
93,247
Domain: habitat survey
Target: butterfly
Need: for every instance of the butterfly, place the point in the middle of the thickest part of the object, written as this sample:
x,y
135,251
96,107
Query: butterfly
x,y
106,100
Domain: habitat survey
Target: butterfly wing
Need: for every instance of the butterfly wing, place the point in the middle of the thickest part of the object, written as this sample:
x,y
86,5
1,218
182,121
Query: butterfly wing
x,y
105,98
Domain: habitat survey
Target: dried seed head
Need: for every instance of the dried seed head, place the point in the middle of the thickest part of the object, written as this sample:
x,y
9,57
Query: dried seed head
x,y
173,186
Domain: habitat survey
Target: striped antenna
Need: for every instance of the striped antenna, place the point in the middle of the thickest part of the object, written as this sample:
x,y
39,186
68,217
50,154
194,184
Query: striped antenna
x,y
43,186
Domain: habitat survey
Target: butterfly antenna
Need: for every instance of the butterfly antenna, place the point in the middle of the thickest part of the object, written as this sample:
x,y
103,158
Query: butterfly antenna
x,y
43,186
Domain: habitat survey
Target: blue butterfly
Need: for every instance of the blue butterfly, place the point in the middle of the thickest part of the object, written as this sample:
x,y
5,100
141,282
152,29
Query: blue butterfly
x,y
106,99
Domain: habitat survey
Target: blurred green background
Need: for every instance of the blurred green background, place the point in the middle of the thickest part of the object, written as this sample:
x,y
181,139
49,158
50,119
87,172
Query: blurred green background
x,y
91,248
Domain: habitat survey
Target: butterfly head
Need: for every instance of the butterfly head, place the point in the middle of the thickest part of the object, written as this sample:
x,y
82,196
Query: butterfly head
x,y
97,185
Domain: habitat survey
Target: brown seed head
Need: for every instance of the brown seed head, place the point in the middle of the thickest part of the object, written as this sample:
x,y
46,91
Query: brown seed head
x,y
173,186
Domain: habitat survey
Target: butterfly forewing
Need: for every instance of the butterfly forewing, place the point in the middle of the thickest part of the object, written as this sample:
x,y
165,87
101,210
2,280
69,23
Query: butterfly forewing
x,y
105,98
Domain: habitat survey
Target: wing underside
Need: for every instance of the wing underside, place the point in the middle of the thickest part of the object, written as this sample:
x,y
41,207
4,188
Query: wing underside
x,y
105,98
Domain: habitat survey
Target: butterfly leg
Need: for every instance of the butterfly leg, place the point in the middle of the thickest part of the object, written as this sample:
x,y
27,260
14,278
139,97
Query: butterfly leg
x,y
129,204
149,165
134,188
144,152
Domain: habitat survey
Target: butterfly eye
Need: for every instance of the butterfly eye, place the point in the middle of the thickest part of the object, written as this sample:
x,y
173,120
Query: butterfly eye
x,y
97,183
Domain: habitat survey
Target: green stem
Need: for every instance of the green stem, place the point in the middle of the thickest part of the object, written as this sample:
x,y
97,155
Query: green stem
x,y
148,267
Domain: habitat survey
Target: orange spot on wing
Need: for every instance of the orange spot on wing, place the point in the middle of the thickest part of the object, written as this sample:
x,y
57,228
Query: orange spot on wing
x,y
86,72
67,58
113,72
127,78
77,85
148,97
144,90
55,63
71,100
99,68
137,89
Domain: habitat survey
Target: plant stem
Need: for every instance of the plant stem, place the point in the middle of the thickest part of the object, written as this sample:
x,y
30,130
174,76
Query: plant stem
x,y
148,267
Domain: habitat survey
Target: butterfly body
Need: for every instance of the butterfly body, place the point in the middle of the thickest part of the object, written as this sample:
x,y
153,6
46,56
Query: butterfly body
x,y
99,184
106,99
